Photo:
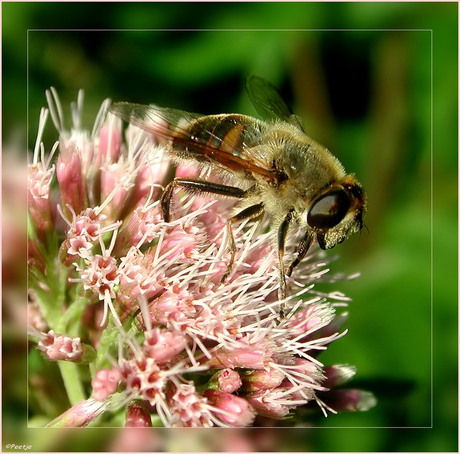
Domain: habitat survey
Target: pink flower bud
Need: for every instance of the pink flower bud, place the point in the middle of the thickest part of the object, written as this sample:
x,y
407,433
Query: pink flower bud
x,y
310,318
180,243
137,415
114,185
251,358
38,198
40,213
174,304
65,348
258,380
70,178
308,369
267,404
350,400
227,380
338,375
142,226
234,410
105,383
163,345
110,141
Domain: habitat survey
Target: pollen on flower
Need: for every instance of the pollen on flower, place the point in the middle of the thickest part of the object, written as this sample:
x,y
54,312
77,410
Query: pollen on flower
x,y
100,275
145,379
188,408
84,231
175,344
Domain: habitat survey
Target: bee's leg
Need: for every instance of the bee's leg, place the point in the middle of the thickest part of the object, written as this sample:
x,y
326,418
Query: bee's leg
x,y
248,213
302,249
282,234
196,187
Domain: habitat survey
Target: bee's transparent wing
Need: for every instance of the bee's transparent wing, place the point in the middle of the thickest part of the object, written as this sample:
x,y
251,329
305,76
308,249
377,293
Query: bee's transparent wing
x,y
268,102
214,139
159,121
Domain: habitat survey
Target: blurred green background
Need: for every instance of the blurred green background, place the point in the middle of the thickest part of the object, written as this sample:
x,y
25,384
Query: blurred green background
x,y
374,82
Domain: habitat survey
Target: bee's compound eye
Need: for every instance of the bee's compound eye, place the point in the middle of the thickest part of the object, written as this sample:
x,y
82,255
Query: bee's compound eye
x,y
329,209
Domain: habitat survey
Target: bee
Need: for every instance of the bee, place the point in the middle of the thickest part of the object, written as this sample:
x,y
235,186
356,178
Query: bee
x,y
287,174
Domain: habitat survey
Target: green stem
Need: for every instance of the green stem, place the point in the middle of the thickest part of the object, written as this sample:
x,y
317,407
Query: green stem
x,y
70,375
69,322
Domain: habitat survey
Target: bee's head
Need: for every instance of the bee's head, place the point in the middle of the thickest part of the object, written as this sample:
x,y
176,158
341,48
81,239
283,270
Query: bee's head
x,y
337,212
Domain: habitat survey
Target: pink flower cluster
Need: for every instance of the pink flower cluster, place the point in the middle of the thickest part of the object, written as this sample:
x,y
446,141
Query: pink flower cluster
x,y
65,348
172,342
